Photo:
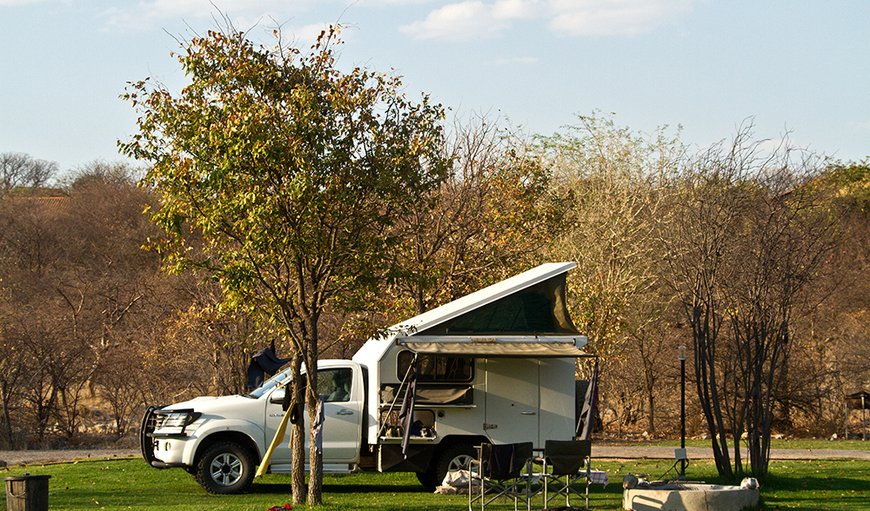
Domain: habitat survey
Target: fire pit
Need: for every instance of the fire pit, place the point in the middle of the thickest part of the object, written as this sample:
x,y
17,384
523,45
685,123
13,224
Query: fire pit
x,y
677,496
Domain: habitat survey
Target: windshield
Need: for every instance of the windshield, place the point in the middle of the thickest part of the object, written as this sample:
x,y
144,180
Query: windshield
x,y
271,383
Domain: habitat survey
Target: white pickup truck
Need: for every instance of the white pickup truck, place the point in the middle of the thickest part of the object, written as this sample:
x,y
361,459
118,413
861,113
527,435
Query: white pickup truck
x,y
497,365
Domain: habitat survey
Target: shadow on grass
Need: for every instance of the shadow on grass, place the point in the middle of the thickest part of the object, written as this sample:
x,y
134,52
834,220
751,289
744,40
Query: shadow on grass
x,y
790,484
284,488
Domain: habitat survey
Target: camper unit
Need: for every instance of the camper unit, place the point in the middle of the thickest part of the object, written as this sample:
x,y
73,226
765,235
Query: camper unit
x,y
497,365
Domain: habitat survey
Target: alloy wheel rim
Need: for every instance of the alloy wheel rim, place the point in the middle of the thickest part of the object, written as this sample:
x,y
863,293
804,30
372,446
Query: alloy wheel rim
x,y
226,469
460,462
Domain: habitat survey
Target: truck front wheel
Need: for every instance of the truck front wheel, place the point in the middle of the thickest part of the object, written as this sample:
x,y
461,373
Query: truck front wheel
x,y
224,468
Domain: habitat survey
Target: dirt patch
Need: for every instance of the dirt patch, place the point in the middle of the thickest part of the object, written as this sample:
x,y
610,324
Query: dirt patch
x,y
57,456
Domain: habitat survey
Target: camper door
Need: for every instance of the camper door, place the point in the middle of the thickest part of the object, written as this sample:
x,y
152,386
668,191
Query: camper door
x,y
529,400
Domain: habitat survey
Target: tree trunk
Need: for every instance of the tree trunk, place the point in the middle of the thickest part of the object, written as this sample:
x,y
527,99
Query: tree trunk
x,y
297,432
312,400
297,444
7,418
704,333
315,456
650,418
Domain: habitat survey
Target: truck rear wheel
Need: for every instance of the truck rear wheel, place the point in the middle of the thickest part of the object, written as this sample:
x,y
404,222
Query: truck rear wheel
x,y
224,468
455,457
427,479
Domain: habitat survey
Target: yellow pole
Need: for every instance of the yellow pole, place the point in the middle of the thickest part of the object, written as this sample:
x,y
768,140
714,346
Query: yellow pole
x,y
276,441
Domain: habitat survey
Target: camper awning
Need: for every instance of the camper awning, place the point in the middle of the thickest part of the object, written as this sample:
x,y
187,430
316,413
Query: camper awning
x,y
490,347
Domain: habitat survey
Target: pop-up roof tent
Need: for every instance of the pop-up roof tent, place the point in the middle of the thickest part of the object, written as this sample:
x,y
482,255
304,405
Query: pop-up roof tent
x,y
523,316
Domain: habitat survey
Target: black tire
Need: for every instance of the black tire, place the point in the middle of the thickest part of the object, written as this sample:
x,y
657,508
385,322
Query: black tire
x,y
454,457
225,468
427,480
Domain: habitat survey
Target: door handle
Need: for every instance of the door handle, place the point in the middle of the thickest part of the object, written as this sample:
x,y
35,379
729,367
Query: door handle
x,y
344,411
528,413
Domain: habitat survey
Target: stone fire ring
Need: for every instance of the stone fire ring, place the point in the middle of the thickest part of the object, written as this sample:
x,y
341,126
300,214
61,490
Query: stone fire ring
x,y
689,497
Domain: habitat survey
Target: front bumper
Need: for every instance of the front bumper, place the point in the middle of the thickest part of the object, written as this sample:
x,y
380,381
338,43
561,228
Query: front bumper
x,y
164,450
160,464
171,451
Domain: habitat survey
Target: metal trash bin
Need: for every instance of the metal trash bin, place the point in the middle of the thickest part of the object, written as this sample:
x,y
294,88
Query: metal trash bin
x,y
27,493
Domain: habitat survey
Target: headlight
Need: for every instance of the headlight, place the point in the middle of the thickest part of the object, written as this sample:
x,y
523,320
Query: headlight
x,y
176,421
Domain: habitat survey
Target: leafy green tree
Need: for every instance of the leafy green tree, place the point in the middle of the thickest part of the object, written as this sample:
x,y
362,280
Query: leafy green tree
x,y
291,171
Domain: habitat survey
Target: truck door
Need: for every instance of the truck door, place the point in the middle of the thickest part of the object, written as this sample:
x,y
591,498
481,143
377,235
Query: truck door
x,y
274,415
340,389
512,400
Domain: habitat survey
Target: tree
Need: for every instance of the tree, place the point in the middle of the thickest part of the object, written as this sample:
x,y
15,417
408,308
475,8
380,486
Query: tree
x,y
830,359
20,170
751,236
614,180
31,248
291,171
487,220
12,372
229,339
74,280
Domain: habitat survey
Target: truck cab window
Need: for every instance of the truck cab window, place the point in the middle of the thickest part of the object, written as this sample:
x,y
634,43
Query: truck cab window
x,y
333,385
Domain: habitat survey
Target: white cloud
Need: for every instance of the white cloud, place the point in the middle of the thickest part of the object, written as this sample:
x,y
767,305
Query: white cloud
x,y
470,18
457,21
15,3
305,36
392,3
612,17
516,9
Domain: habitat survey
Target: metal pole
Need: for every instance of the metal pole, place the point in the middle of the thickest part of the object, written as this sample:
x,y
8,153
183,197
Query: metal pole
x,y
846,425
863,419
683,414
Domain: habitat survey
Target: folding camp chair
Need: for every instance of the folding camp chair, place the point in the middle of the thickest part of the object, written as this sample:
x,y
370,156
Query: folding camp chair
x,y
569,462
499,472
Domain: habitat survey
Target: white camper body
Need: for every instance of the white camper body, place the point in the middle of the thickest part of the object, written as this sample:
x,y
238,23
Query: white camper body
x,y
497,365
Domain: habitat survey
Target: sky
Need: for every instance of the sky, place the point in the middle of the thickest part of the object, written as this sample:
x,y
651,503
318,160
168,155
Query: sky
x,y
794,67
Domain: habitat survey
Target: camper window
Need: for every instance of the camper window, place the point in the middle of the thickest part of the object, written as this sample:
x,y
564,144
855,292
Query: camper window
x,y
436,368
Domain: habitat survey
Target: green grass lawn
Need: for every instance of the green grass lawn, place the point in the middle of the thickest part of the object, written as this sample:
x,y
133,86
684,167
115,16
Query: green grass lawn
x,y
794,443
131,484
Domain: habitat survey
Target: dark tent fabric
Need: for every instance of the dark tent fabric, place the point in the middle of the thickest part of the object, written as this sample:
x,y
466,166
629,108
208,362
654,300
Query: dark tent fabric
x,y
262,363
538,309
590,407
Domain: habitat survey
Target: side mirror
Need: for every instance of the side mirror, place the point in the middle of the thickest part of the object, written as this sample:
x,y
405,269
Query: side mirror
x,y
277,396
